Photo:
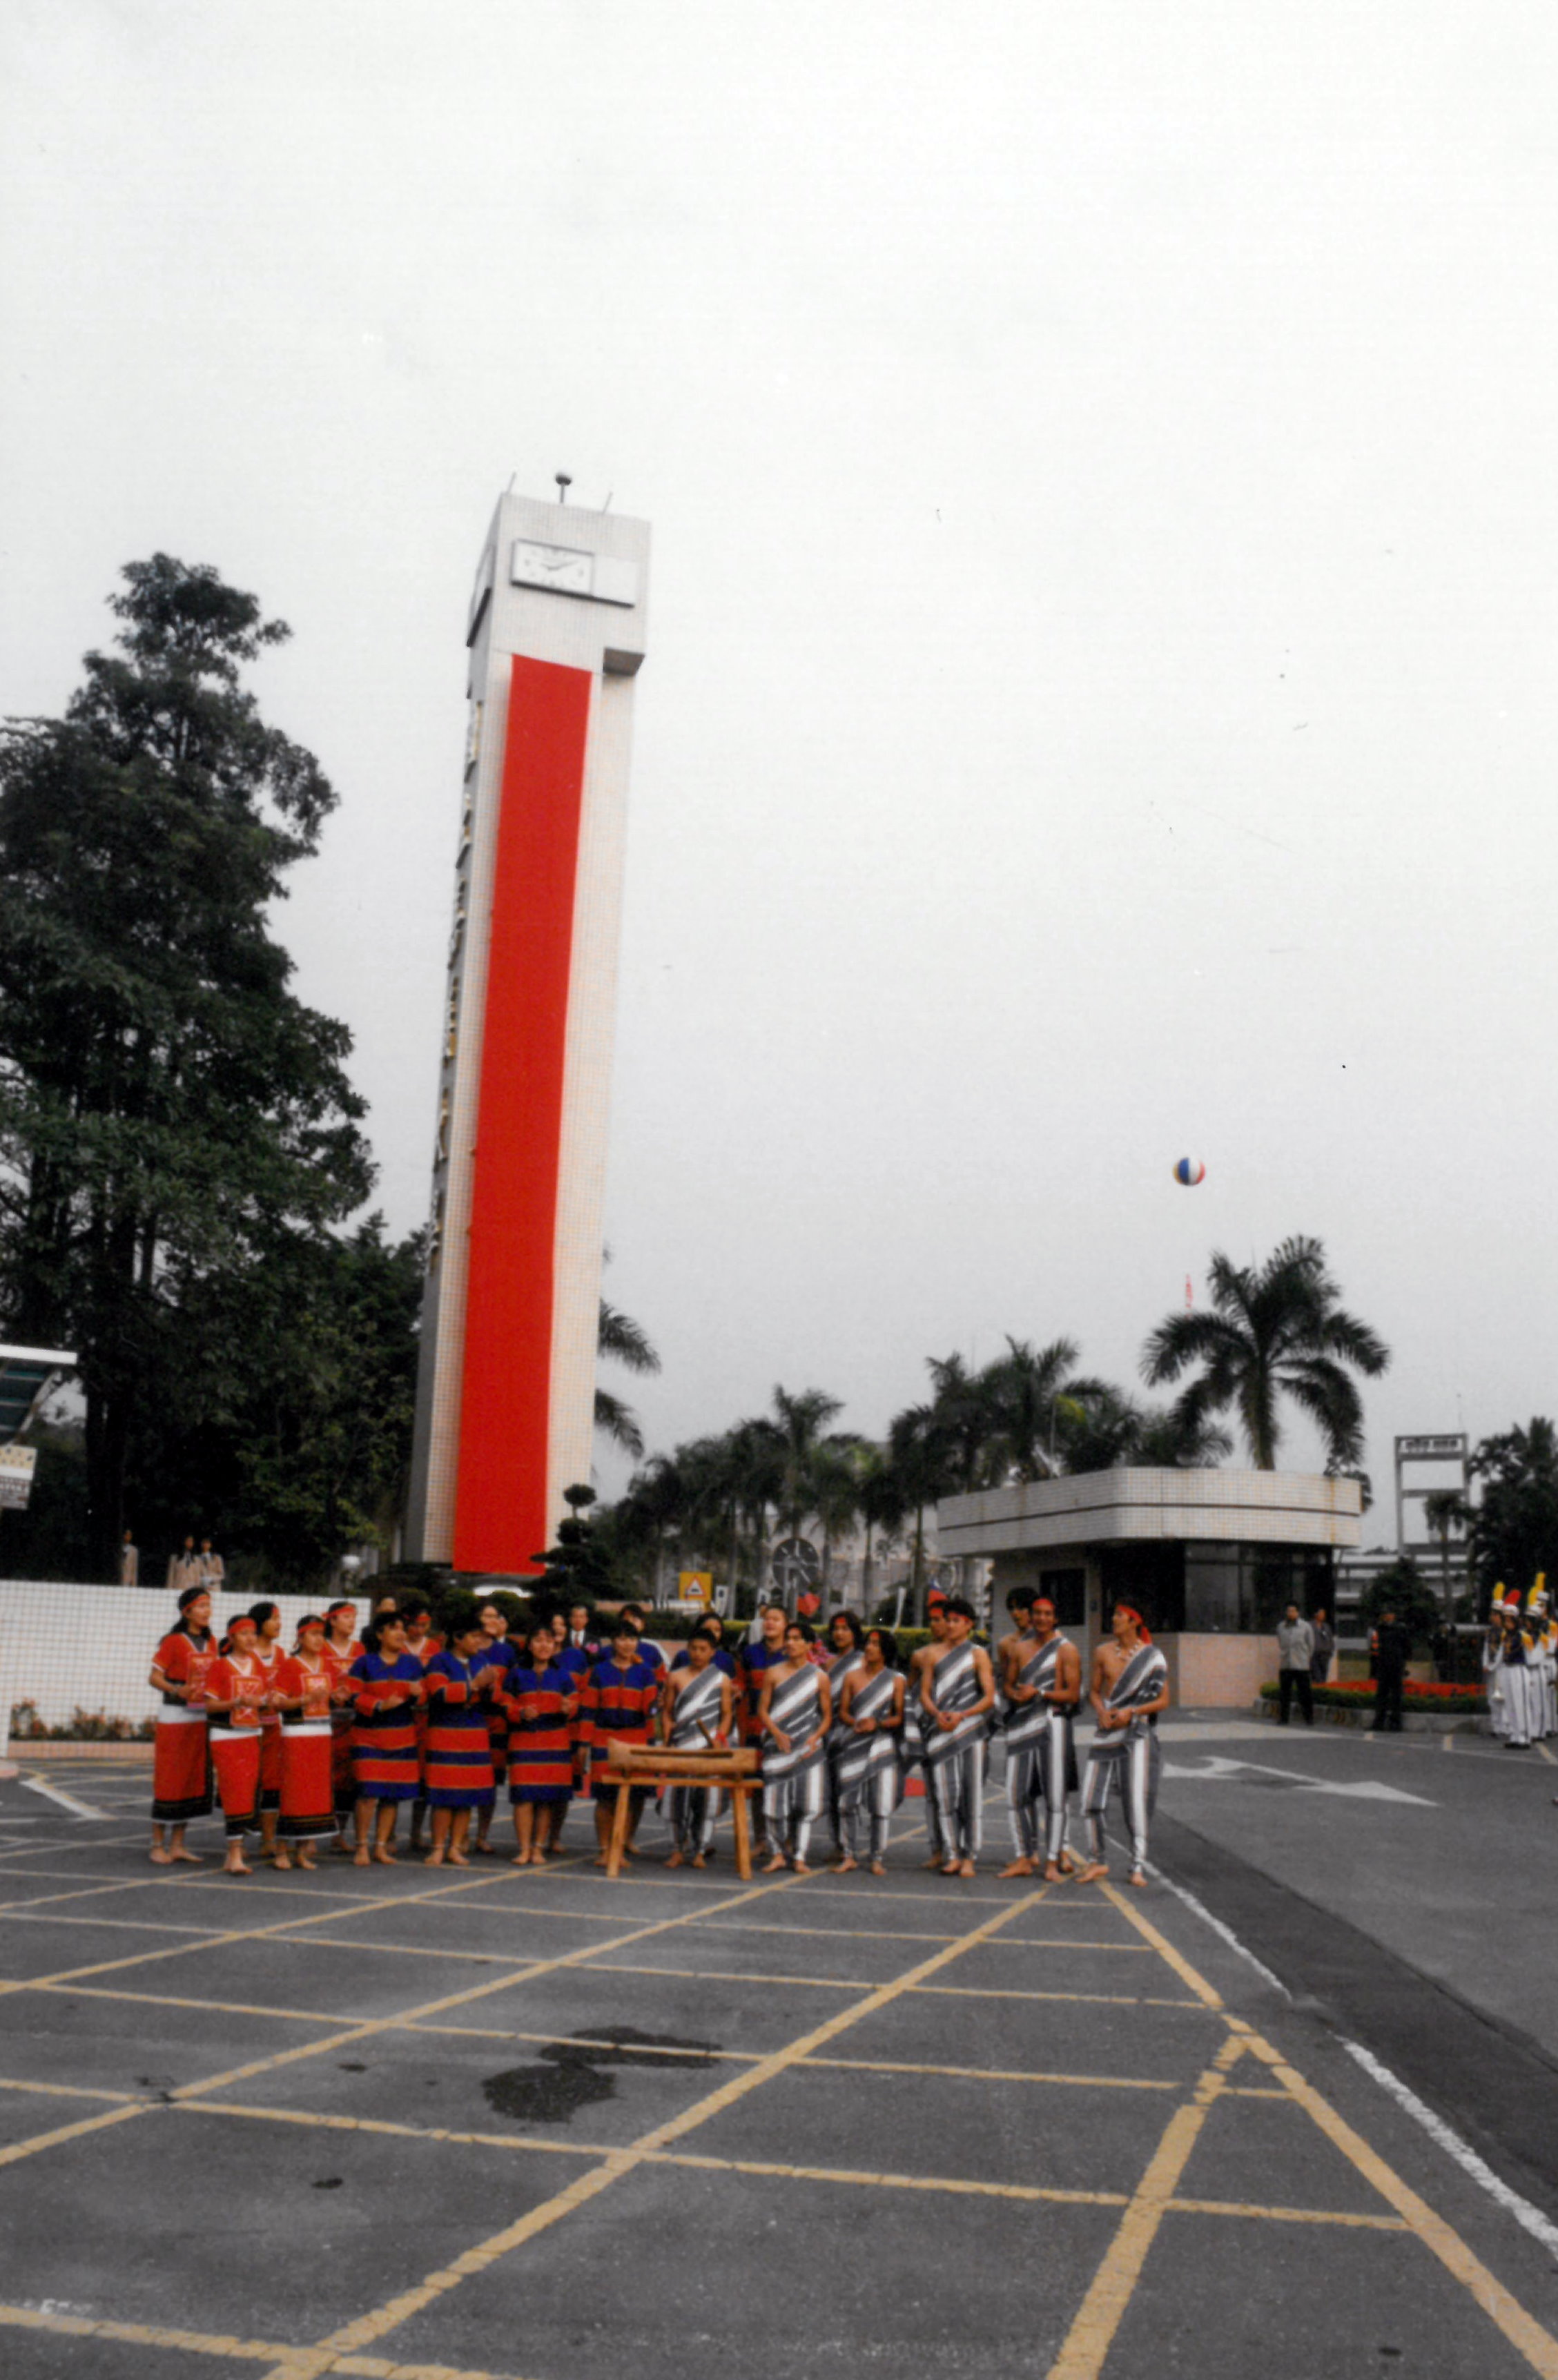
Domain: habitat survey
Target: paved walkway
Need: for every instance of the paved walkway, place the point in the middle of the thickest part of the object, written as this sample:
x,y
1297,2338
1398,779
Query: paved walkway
x,y
412,2122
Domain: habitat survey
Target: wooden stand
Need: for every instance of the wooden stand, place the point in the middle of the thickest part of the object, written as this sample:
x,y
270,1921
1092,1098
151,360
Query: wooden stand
x,y
734,1771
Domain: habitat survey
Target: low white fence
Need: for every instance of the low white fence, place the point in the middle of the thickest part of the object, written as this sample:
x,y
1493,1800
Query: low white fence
x,y
66,1649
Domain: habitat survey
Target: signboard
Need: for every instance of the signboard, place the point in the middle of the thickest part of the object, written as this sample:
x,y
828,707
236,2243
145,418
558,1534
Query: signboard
x,y
1450,1448
797,1565
17,1466
696,1586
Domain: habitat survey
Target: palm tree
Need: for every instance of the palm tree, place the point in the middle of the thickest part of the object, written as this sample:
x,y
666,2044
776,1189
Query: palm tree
x,y
1272,1329
924,1463
622,1341
1029,1392
792,1436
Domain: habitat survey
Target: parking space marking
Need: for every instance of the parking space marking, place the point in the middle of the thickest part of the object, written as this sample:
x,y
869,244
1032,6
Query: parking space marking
x,y
369,2328
235,2350
20,2149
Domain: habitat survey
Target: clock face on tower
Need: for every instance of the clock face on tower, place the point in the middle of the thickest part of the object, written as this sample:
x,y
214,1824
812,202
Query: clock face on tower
x,y
562,568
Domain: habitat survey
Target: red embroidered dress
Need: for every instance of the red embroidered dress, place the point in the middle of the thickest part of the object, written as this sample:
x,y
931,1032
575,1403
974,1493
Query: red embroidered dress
x,y
234,1737
182,1773
307,1794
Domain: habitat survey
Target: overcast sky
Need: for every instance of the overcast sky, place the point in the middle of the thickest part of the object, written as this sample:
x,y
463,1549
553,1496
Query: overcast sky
x,y
1100,703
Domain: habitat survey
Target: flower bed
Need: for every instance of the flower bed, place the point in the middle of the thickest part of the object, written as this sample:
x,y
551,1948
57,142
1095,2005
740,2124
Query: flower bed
x,y
1418,1694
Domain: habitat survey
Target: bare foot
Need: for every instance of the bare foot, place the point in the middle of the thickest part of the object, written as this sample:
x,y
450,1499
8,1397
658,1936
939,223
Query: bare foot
x,y
520,1859
360,1857
434,1859
237,1867
952,1867
844,1866
1136,1878
483,1849
698,1860
772,1867
965,1867
159,1858
675,1860
307,1865
798,1867
284,1861
458,1859
191,1859
1067,1864
1018,1867
933,1862
877,1868
383,1856
1053,1873
1094,1873
599,1860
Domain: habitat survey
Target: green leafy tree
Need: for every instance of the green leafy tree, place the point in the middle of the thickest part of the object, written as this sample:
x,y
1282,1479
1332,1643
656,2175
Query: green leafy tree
x,y
1401,1588
1513,1533
1273,1330
168,1107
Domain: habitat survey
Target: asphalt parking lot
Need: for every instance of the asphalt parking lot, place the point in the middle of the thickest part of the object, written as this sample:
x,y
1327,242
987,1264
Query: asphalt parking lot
x,y
534,2124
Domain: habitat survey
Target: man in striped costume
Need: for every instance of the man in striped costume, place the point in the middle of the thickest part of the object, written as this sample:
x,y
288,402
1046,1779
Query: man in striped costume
x,y
956,1697
1043,1690
1129,1688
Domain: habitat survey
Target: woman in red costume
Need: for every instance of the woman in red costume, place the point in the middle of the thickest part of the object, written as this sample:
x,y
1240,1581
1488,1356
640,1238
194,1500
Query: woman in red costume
x,y
181,1777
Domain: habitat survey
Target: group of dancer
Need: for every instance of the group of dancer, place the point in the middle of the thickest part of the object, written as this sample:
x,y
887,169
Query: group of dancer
x,y
1520,1666
325,1742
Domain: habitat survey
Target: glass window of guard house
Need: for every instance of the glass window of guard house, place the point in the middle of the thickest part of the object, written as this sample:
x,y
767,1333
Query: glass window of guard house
x,y
1214,1598
1067,1590
1150,1576
1276,1579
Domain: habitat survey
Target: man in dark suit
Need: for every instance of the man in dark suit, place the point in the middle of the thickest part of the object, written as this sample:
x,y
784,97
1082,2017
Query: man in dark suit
x,y
1392,1642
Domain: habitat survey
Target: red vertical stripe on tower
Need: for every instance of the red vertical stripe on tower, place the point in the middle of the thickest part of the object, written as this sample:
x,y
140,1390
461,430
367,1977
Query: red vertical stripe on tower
x,y
501,1518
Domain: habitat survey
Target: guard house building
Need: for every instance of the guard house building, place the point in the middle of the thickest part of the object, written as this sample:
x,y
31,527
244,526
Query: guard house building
x,y
1212,1559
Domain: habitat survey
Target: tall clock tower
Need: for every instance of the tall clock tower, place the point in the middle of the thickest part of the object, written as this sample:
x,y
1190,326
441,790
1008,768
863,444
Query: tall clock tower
x,y
506,1383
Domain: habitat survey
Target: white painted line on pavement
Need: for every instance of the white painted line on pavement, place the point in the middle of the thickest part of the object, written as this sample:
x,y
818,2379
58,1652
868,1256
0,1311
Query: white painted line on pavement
x,y
1531,2218
65,1801
1225,1933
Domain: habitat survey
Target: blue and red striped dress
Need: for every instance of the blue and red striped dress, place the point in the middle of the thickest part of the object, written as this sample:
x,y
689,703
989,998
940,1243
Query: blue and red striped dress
x,y
541,1706
384,1742
616,1703
457,1757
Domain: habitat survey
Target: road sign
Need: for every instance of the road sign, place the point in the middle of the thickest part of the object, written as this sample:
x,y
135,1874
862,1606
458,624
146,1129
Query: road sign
x,y
696,1586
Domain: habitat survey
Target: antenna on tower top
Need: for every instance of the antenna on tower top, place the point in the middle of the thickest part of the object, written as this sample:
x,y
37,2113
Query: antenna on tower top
x,y
565,482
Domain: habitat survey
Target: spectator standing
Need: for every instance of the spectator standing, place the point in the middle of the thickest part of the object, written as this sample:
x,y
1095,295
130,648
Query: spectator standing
x,y
1325,1646
129,1561
1392,1642
213,1569
1296,1651
184,1569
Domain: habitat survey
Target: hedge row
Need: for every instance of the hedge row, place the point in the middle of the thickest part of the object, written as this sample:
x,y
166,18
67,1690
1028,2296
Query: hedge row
x,y
1417,1694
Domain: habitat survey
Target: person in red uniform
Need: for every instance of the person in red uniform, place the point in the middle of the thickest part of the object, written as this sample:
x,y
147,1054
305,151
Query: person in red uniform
x,y
236,1689
540,1702
304,1686
495,1623
387,1682
268,1651
458,1773
181,1773
424,1640
342,1648
618,1705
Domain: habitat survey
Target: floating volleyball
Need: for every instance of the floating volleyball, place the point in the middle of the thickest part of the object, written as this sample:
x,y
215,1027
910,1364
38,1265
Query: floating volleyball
x,y
1190,1170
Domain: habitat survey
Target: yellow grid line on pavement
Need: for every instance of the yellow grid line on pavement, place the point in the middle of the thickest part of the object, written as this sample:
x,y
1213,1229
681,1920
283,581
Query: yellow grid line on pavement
x,y
1083,2355
369,2328
203,2342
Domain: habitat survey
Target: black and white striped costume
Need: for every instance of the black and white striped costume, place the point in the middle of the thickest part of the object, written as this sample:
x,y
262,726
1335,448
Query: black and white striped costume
x,y
914,1757
794,1783
1129,1757
868,1776
955,1756
838,1670
1040,1757
695,1719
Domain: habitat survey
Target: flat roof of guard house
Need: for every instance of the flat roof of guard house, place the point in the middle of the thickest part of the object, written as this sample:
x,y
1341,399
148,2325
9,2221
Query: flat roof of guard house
x,y
1101,1508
